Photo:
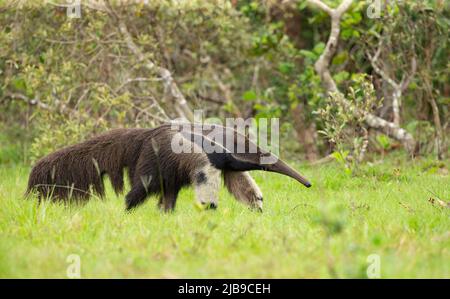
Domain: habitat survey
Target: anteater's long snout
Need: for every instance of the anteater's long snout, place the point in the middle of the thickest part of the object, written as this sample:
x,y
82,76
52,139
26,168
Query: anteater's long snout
x,y
283,168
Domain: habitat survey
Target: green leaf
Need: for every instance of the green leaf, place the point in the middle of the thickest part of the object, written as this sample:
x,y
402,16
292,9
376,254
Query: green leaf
x,y
340,58
384,141
347,33
302,5
19,84
341,76
249,95
286,67
340,157
318,49
308,54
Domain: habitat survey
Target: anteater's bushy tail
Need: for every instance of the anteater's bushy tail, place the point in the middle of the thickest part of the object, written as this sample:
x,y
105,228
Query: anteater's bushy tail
x,y
77,171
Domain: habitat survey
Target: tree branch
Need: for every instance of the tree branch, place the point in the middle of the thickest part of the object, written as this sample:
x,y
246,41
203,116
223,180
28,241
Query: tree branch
x,y
32,102
322,68
170,87
322,64
398,88
322,6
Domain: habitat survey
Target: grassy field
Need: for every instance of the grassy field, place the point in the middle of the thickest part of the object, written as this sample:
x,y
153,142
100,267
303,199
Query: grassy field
x,y
329,230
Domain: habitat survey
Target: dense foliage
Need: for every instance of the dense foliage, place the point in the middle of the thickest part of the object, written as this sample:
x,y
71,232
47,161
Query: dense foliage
x,y
62,79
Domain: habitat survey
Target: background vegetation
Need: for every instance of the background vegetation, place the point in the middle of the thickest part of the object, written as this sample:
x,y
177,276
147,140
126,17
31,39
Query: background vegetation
x,y
63,78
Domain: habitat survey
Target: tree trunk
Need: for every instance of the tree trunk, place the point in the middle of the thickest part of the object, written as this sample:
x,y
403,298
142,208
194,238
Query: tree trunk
x,y
396,96
441,147
306,132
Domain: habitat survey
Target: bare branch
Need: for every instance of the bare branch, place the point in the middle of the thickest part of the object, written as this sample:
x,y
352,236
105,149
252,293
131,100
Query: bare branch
x,y
405,82
322,6
171,88
322,68
322,64
379,71
32,102
398,88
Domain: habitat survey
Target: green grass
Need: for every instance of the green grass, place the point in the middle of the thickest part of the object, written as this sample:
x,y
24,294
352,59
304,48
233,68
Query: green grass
x,y
328,230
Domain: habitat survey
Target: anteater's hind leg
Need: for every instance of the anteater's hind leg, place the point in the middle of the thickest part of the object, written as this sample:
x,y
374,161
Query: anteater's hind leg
x,y
136,196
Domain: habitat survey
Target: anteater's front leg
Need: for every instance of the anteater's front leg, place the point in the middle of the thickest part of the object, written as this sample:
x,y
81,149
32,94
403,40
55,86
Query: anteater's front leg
x,y
244,188
206,181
